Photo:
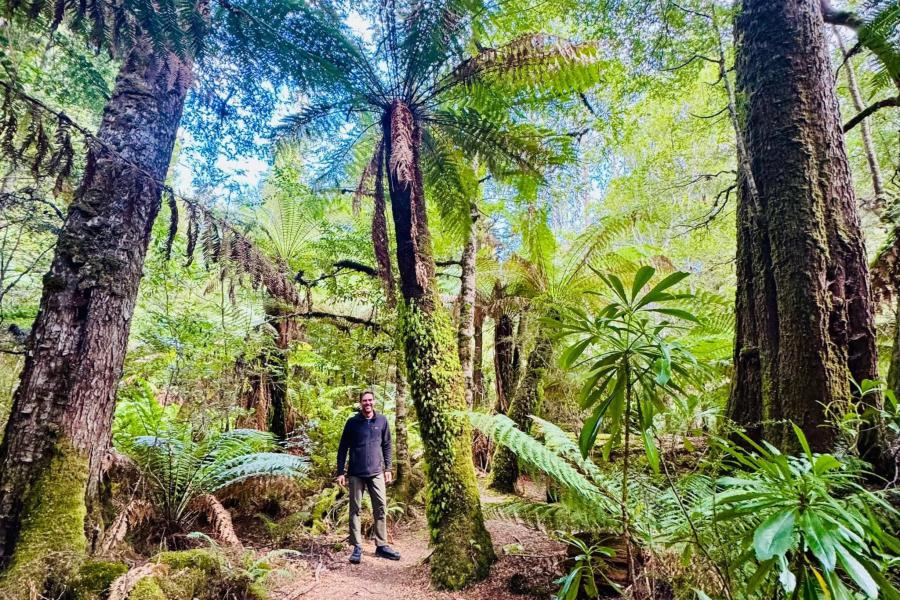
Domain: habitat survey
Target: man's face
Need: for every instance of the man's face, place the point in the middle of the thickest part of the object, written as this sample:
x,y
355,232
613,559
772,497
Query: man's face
x,y
367,404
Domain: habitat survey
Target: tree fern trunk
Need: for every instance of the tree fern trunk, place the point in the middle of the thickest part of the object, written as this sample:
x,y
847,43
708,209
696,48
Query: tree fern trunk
x,y
805,321
59,427
504,361
462,546
529,396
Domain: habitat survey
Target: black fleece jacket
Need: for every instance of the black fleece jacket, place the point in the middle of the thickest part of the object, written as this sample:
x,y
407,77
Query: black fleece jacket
x,y
369,444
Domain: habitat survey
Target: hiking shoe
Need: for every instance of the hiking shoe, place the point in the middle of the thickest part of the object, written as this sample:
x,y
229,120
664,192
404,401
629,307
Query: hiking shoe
x,y
386,552
357,555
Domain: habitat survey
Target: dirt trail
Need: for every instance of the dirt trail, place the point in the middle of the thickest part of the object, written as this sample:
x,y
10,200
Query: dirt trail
x,y
531,563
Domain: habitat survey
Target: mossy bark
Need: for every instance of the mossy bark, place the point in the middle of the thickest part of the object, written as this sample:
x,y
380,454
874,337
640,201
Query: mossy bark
x,y
478,359
51,542
462,546
804,314
62,410
529,396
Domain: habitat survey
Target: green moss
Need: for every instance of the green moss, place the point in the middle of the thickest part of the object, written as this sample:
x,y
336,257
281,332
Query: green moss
x,y
203,574
51,544
462,546
257,591
147,588
202,559
94,579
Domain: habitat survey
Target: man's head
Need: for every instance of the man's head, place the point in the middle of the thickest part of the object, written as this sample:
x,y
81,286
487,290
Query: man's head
x,y
367,403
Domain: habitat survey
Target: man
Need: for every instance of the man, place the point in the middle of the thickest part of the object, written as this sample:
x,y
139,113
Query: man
x,y
367,438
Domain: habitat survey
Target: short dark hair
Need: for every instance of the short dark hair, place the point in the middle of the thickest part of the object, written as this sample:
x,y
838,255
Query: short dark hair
x,y
366,391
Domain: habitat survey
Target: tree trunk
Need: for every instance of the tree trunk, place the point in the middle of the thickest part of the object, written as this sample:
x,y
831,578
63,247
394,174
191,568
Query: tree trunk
x,y
505,372
529,396
59,427
268,397
879,196
402,463
462,546
466,333
478,358
893,377
281,422
804,316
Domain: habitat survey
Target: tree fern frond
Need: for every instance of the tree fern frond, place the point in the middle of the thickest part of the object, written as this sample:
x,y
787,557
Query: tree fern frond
x,y
528,65
880,35
549,516
506,148
564,445
258,464
452,182
503,430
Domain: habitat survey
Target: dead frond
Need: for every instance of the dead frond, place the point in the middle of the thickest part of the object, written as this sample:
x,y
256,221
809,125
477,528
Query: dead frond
x,y
121,587
380,239
220,520
131,516
402,145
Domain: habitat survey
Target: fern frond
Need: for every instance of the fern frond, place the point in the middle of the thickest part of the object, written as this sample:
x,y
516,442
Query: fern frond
x,y
503,430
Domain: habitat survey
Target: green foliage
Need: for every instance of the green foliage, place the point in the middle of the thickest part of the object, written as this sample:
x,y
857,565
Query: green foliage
x,y
814,530
179,465
590,497
629,357
581,580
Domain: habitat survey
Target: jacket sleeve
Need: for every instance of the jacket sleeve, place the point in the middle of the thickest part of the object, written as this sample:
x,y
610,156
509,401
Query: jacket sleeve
x,y
386,449
342,449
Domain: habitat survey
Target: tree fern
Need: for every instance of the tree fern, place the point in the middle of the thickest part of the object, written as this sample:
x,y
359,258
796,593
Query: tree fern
x,y
179,468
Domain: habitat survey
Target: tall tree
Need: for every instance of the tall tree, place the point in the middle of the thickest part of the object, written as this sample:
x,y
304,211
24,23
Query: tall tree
x,y
429,107
465,337
59,425
804,315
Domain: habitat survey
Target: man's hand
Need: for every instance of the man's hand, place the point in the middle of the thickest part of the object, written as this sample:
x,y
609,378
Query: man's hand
x,y
388,477
342,480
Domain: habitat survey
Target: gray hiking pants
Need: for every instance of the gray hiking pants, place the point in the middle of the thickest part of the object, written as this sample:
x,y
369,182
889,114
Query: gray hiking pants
x,y
375,486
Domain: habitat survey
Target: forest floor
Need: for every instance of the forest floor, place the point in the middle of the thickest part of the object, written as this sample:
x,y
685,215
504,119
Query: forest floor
x,y
528,562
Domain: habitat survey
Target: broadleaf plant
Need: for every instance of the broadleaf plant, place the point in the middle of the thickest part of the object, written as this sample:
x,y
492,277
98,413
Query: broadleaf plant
x,y
815,531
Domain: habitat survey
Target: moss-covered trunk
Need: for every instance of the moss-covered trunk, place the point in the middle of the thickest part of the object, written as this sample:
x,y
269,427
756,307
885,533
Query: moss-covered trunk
x,y
804,315
59,427
462,546
505,465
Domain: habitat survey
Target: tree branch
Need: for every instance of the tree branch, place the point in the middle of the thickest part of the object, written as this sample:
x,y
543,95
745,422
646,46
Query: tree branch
x,y
869,110
341,321
844,18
